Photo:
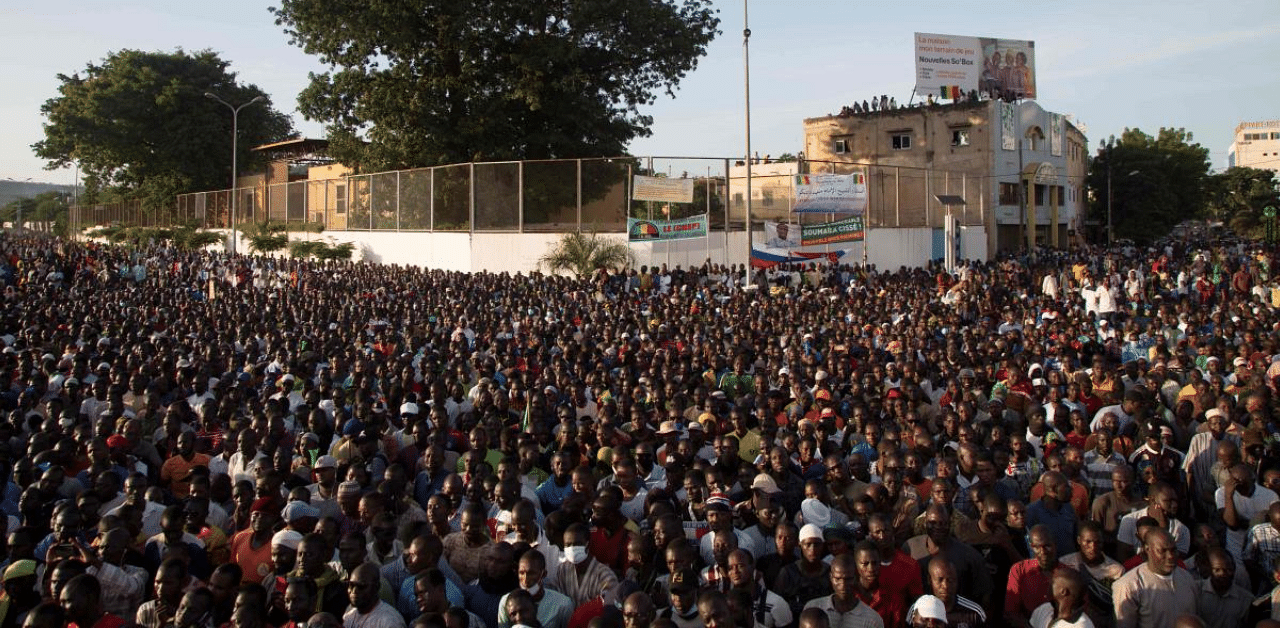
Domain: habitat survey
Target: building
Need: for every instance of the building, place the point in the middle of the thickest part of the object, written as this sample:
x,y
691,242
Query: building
x,y
1256,145
980,151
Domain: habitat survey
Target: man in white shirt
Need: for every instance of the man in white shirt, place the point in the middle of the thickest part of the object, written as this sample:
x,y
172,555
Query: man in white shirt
x,y
1238,501
367,610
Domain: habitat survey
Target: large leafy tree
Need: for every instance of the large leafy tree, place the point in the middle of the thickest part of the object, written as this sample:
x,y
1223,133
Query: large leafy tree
x,y
1151,182
428,82
1238,196
140,126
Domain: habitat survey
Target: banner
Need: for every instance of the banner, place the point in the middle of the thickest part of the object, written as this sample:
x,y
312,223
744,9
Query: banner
x,y
951,66
831,193
661,189
764,258
791,236
1056,129
640,230
1008,134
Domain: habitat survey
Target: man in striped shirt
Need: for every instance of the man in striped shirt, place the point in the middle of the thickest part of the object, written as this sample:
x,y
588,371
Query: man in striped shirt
x,y
961,611
1100,462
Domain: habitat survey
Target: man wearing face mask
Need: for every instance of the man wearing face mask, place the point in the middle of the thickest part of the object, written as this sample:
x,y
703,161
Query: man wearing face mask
x,y
683,611
553,608
579,575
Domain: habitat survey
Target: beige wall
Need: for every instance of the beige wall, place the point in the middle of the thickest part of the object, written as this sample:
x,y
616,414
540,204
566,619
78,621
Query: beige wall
x,y
1256,152
904,180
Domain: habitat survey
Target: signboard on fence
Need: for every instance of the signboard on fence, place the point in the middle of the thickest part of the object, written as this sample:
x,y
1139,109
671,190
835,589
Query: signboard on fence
x,y
951,66
790,236
661,189
831,193
640,230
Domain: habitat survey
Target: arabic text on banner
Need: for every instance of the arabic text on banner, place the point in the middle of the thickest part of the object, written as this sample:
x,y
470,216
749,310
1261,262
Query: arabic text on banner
x,y
831,193
661,189
640,230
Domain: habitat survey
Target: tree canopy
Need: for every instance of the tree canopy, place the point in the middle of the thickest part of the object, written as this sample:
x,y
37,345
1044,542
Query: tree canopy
x,y
1152,182
1238,196
139,123
425,82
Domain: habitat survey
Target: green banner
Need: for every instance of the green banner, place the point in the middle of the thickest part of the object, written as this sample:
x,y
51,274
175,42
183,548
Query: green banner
x,y
639,230
846,230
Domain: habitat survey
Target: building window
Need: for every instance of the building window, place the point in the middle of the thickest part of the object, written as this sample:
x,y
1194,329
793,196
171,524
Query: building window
x,y
737,197
842,147
767,196
1275,136
1008,193
339,199
1062,199
959,137
901,141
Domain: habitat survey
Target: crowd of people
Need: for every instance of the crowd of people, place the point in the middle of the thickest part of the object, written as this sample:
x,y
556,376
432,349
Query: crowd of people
x,y
196,440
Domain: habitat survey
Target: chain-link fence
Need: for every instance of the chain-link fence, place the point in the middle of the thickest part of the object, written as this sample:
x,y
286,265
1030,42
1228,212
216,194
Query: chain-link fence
x,y
557,196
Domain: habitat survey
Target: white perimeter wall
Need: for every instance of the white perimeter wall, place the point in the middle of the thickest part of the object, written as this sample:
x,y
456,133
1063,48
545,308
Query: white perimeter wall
x,y
888,249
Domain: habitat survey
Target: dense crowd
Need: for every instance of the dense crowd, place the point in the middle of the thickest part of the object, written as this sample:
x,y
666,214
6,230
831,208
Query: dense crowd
x,y
195,440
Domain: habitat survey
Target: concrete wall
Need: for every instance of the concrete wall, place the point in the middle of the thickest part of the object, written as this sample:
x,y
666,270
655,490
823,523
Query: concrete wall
x,y
888,249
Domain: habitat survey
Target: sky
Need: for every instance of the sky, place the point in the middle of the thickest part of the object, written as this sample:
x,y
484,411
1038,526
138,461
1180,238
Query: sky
x,y
1111,65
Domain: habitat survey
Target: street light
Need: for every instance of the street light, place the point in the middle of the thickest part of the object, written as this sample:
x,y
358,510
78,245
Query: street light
x,y
235,139
18,224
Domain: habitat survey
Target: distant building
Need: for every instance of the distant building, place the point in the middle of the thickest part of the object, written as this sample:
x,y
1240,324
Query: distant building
x,y
980,151
1256,145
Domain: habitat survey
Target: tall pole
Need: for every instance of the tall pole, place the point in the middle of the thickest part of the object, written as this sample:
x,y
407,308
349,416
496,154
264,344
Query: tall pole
x,y
746,82
235,140
1110,231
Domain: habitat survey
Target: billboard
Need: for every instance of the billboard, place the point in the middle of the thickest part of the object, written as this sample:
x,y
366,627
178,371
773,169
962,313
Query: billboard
x,y
790,236
950,66
662,189
831,193
640,230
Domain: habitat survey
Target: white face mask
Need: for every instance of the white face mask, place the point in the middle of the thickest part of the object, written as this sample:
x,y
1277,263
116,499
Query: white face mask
x,y
575,554
534,590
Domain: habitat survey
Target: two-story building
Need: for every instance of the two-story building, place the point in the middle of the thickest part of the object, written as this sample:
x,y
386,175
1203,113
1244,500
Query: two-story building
x,y
1019,169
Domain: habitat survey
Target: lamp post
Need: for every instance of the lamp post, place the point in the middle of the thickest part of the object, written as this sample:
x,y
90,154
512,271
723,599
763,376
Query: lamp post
x,y
235,139
746,82
18,223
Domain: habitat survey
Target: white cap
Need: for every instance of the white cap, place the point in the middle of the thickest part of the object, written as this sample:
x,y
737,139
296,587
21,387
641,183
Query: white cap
x,y
815,512
810,531
928,607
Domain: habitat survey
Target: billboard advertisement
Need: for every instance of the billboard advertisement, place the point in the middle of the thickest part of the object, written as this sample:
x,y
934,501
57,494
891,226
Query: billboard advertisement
x,y
951,66
661,189
790,236
831,193
641,230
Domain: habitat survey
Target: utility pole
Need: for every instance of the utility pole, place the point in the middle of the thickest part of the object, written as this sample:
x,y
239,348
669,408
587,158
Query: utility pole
x,y
746,82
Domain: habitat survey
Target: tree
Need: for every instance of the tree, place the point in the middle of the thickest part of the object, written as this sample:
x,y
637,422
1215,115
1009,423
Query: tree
x,y
139,123
1150,183
584,253
45,211
1237,197
424,82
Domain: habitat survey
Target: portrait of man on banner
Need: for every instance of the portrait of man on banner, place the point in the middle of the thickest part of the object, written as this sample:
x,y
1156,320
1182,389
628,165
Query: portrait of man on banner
x,y
780,235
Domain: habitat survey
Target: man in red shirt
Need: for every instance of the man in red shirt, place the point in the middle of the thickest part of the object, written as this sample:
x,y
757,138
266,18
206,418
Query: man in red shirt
x,y
888,603
82,601
898,571
1031,580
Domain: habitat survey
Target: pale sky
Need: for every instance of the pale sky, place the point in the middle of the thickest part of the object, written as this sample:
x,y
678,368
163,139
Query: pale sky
x,y
1205,66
